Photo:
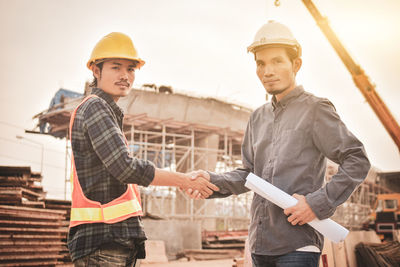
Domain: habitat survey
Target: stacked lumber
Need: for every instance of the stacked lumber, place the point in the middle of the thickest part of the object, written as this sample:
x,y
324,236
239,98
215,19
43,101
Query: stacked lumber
x,y
224,239
31,236
372,254
33,230
212,254
59,204
19,186
219,245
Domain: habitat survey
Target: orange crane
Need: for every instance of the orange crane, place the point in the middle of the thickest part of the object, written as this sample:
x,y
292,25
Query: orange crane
x,y
361,80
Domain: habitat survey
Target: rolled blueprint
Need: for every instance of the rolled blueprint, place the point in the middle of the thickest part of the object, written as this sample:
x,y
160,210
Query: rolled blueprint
x,y
326,227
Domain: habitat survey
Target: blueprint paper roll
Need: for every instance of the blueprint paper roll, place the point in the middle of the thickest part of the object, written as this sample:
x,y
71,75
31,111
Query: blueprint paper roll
x,y
326,227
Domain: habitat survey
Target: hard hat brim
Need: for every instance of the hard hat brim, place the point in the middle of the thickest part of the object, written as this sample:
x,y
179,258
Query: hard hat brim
x,y
255,48
99,60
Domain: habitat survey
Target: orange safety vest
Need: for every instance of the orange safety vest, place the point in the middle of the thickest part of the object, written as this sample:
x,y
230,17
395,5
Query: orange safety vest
x,y
84,210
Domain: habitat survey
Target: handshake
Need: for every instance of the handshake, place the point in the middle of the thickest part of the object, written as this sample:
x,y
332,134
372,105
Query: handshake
x,y
197,185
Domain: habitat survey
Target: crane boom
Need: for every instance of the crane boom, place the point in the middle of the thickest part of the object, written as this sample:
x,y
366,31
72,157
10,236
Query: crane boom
x,y
361,80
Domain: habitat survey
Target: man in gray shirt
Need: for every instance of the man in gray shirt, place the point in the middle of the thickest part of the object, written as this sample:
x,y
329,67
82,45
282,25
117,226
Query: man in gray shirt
x,y
286,143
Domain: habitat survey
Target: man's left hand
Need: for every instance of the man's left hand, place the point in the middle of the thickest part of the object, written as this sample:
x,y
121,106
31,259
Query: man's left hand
x,y
301,213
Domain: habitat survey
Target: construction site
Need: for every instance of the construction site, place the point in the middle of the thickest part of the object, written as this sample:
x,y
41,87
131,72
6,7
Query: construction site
x,y
181,132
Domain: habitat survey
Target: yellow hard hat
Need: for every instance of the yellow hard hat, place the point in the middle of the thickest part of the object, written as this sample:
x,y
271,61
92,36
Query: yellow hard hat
x,y
114,45
274,34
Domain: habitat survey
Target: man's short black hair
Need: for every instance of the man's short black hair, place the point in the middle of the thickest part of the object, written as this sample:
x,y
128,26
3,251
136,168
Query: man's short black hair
x,y
94,82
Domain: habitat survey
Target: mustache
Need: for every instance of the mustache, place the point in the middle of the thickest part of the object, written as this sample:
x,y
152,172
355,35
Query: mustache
x,y
270,80
124,83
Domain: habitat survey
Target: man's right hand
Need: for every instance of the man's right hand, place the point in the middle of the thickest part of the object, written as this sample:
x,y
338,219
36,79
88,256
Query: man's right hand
x,y
194,175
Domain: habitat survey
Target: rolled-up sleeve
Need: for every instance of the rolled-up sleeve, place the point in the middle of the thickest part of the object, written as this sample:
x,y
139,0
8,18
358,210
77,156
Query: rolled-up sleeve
x,y
337,143
109,144
233,182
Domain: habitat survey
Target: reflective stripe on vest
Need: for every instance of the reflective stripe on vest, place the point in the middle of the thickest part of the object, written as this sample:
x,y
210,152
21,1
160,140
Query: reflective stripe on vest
x,y
105,213
84,210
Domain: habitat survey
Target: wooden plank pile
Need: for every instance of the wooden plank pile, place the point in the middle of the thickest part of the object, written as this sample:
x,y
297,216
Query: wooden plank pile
x,y
372,254
224,239
31,234
212,254
19,186
59,204
219,245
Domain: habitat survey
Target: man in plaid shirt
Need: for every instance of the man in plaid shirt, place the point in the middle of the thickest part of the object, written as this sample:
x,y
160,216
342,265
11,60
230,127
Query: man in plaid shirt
x,y
103,163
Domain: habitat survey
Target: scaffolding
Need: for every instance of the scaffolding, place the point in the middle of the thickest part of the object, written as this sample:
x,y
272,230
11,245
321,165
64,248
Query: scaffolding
x,y
184,147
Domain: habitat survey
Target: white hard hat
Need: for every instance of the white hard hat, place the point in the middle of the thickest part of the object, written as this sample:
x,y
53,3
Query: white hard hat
x,y
274,34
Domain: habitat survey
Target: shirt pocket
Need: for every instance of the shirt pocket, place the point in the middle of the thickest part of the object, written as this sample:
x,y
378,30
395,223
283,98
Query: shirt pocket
x,y
291,144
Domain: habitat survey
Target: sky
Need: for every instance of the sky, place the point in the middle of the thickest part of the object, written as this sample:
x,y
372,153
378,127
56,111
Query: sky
x,y
198,48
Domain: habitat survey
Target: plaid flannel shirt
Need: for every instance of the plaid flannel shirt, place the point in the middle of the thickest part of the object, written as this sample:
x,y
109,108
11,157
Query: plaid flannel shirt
x,y
105,167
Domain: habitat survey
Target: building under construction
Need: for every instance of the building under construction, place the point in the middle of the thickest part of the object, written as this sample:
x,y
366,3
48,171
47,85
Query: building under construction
x,y
181,133
184,133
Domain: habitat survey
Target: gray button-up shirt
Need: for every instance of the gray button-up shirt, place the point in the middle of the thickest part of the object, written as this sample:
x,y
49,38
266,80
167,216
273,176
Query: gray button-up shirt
x,y
287,143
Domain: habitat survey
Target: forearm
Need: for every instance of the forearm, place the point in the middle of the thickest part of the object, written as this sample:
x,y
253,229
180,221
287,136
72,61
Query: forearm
x,y
130,170
167,178
350,174
229,183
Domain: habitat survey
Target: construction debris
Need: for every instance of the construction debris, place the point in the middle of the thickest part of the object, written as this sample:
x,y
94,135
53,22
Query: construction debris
x,y
30,236
379,255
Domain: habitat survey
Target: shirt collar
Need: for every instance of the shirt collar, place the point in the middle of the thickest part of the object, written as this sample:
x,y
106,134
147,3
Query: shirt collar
x,y
298,90
117,110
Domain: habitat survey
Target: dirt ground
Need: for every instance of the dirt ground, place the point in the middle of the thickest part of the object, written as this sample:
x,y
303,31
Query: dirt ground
x,y
185,263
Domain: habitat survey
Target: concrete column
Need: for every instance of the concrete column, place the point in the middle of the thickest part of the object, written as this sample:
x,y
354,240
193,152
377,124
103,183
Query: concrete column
x,y
207,162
